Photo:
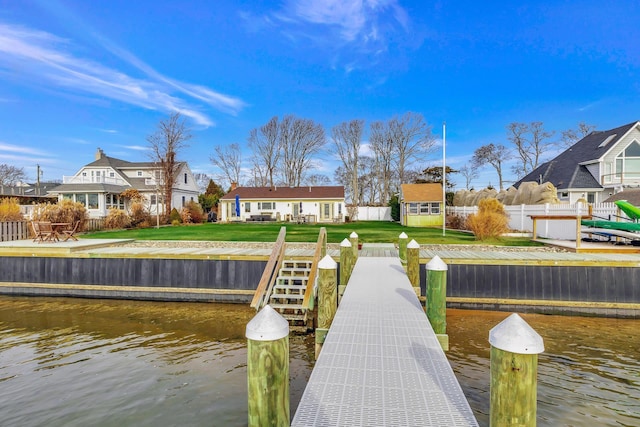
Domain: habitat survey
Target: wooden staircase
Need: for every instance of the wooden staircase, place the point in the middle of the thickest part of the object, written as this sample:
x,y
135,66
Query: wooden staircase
x,y
289,290
287,285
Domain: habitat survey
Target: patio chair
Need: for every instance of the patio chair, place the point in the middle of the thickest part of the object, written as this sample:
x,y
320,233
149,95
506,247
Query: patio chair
x,y
70,233
37,235
45,231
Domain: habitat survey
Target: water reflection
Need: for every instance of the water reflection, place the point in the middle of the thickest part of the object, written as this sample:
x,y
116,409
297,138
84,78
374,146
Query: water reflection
x,y
71,362
589,373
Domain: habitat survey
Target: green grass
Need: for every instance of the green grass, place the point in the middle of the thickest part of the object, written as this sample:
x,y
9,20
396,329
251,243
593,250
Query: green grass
x,y
368,231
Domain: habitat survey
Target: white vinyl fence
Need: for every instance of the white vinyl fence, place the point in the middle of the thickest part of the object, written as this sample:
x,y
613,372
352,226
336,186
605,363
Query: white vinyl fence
x,y
374,213
520,217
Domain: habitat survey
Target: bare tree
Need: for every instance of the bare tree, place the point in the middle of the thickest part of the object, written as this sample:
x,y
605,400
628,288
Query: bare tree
x,y
317,179
470,173
382,147
531,141
491,154
265,144
229,160
300,140
11,175
170,137
411,140
347,137
571,136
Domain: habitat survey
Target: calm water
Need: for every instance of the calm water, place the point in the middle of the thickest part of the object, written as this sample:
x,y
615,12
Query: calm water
x,y
72,362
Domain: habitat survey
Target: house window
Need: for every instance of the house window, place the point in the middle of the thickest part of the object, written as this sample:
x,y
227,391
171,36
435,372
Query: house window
x,y
413,208
628,162
339,208
139,173
81,198
183,201
93,201
424,208
153,199
247,207
84,174
591,197
435,208
114,201
112,174
185,178
327,210
266,205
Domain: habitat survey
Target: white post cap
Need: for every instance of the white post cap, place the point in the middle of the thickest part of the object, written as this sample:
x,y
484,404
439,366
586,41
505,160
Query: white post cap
x,y
436,264
327,263
403,235
515,335
353,235
345,243
267,325
413,244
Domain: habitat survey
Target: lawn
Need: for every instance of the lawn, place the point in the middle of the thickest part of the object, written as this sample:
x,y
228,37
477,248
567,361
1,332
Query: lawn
x,y
368,231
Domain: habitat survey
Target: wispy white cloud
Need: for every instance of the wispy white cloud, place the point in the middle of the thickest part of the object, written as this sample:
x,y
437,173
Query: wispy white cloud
x,y
48,58
136,147
360,28
20,149
108,130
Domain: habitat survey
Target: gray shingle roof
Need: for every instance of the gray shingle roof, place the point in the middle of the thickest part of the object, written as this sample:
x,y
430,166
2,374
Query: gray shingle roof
x,y
565,171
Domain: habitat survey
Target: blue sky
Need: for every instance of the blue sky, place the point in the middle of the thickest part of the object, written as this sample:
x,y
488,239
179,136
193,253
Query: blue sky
x,y
77,75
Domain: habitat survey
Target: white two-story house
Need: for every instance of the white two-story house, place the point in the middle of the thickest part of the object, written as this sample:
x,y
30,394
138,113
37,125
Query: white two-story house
x,y
596,167
98,185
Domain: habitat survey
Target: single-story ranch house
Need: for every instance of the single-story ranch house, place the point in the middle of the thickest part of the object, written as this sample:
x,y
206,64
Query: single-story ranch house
x,y
421,205
98,185
300,204
598,166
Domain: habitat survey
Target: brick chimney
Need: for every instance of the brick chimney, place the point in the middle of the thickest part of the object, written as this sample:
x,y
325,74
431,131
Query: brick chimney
x,y
234,185
99,154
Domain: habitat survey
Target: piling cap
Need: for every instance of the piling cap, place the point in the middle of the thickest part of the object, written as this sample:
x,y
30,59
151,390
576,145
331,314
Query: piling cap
x,y
515,335
267,325
353,235
345,243
327,263
403,235
413,244
436,264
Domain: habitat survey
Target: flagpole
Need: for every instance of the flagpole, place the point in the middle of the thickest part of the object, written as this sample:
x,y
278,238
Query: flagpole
x,y
444,178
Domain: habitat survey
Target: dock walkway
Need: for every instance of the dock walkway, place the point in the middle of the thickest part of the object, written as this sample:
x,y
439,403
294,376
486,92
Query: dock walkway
x,y
381,363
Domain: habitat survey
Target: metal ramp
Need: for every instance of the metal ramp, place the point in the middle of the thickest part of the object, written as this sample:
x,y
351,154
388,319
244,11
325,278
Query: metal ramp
x,y
381,363
289,290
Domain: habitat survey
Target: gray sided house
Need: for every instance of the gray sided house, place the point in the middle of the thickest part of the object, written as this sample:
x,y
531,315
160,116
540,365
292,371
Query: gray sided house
x,y
601,164
98,185
300,204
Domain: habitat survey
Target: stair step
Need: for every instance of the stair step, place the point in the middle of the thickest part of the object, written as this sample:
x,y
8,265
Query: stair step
x,y
287,296
294,316
278,306
289,287
297,264
302,281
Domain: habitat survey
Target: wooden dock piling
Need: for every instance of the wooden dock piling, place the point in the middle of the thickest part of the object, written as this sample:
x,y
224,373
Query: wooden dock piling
x,y
268,369
514,367
327,298
412,253
346,266
353,238
402,246
436,304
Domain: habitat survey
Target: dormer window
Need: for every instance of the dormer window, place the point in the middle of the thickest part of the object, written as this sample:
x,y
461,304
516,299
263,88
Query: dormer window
x,y
139,173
